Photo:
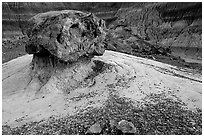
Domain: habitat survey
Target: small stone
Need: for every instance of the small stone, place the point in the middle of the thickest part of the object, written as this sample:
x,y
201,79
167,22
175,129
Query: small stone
x,y
94,129
193,122
112,123
126,127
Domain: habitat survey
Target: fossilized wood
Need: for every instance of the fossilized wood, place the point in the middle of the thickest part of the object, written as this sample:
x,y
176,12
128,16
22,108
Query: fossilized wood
x,y
67,35
59,39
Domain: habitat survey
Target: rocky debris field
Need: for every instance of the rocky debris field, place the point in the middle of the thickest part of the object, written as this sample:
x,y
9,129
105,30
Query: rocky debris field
x,y
120,117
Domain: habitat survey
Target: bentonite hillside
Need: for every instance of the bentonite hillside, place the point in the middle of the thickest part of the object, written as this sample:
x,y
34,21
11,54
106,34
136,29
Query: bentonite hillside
x,y
102,68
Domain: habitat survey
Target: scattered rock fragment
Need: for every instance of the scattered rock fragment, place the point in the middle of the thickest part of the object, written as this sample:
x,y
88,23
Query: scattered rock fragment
x,y
94,129
112,123
126,127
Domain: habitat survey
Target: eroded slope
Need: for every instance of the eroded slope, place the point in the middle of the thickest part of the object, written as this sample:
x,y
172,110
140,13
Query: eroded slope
x,y
126,76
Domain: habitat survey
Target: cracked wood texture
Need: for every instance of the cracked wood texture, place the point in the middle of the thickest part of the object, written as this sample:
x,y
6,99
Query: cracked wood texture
x,y
67,35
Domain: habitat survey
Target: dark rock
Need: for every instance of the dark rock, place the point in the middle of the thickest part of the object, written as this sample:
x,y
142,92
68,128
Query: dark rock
x,y
67,35
126,127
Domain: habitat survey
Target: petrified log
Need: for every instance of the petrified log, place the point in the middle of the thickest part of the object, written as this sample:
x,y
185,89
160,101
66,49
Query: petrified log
x,y
61,39
67,35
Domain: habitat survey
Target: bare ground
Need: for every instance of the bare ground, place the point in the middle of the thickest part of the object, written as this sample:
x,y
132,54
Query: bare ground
x,y
165,117
154,96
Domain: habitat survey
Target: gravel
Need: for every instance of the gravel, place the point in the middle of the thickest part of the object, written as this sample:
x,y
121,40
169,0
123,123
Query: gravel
x,y
163,117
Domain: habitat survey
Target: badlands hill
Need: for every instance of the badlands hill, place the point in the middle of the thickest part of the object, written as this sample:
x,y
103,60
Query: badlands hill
x,y
123,87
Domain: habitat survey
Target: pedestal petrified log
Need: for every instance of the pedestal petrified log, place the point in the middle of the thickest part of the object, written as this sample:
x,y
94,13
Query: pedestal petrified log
x,y
58,38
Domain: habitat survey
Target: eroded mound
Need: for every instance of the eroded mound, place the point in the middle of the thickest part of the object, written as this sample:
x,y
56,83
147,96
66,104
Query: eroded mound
x,y
103,82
